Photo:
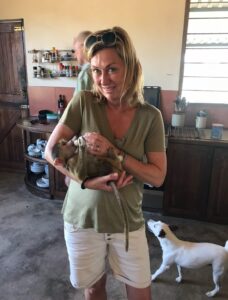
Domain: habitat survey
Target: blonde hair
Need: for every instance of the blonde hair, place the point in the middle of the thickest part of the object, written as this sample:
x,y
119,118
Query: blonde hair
x,y
133,80
81,36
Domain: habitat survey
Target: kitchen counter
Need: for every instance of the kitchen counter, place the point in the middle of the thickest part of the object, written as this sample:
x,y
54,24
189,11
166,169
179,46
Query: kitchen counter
x,y
34,125
193,134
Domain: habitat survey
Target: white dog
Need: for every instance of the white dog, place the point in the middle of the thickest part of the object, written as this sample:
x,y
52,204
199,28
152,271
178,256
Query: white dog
x,y
189,255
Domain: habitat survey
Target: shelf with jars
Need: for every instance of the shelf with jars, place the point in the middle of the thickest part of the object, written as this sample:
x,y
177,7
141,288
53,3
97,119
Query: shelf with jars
x,y
53,63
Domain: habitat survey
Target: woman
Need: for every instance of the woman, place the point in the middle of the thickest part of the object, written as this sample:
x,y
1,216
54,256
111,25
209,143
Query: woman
x,y
112,115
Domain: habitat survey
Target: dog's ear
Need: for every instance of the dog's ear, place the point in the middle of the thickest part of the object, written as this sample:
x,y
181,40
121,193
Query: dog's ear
x,y
162,234
173,227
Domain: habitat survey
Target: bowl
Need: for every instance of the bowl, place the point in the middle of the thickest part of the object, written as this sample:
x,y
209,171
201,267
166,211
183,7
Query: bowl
x,y
45,178
43,114
46,169
34,152
52,116
31,147
37,168
41,183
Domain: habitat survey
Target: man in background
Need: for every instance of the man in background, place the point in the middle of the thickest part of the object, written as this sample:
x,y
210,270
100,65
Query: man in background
x,y
84,79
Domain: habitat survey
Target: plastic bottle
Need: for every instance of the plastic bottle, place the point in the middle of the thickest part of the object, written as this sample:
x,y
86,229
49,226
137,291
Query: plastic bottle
x,y
61,105
70,71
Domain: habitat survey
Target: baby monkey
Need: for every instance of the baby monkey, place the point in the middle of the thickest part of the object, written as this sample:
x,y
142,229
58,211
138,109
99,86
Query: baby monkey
x,y
73,155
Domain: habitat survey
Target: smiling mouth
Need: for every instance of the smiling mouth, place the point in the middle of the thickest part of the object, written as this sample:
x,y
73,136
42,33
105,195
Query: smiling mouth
x,y
108,89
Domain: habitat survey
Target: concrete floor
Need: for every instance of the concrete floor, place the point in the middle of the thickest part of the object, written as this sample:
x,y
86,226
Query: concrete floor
x,y
33,257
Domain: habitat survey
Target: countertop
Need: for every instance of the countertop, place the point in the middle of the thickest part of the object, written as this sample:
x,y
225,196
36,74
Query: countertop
x,y
34,125
194,134
180,133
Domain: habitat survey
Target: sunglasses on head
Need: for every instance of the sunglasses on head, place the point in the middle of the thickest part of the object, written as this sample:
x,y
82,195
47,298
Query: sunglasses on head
x,y
108,39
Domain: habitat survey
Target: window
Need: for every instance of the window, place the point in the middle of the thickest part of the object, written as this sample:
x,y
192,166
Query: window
x,y
205,67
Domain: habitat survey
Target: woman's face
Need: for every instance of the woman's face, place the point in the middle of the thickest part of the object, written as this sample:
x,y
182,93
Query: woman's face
x,y
108,71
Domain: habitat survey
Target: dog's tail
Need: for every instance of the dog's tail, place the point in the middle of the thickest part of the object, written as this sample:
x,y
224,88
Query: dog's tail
x,y
226,246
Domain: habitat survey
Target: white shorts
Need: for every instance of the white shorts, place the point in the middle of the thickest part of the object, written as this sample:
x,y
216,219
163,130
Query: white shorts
x,y
88,252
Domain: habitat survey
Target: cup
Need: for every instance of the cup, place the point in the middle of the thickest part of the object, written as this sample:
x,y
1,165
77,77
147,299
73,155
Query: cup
x,y
201,122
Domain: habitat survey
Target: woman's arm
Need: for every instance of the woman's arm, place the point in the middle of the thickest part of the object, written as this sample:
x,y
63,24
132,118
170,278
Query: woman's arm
x,y
152,172
61,131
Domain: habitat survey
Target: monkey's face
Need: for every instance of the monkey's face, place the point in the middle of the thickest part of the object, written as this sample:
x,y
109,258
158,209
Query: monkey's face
x,y
67,149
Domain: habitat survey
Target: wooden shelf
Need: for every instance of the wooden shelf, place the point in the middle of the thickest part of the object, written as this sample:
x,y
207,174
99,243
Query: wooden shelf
x,y
57,188
36,159
34,125
34,189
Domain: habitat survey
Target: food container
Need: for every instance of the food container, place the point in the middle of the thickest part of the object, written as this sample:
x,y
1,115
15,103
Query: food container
x,y
201,122
216,131
178,119
52,116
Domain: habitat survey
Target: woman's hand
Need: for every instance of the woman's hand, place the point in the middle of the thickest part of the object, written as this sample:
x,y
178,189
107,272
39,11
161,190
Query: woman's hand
x,y
102,183
97,144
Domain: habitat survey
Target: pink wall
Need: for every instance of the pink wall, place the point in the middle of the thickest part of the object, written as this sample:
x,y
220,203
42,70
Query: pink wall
x,y
46,98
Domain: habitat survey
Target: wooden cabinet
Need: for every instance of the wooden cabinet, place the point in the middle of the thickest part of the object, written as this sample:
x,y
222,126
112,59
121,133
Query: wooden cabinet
x,y
196,183
218,196
187,179
30,133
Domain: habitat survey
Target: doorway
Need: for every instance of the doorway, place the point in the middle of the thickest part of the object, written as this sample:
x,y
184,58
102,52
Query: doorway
x,y
13,92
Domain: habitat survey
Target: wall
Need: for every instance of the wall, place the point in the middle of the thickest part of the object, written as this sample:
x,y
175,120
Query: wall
x,y
156,27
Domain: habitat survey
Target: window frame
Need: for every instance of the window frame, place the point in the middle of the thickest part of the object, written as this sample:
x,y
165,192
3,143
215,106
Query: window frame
x,y
182,61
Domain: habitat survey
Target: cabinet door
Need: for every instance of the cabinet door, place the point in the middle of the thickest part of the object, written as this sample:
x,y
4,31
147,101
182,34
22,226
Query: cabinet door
x,y
187,181
218,197
13,92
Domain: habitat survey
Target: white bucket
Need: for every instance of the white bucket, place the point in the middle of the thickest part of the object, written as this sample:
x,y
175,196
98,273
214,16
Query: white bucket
x,y
201,122
178,120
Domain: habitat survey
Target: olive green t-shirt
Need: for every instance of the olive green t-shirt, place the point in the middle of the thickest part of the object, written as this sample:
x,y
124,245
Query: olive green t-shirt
x,y
99,209
84,80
